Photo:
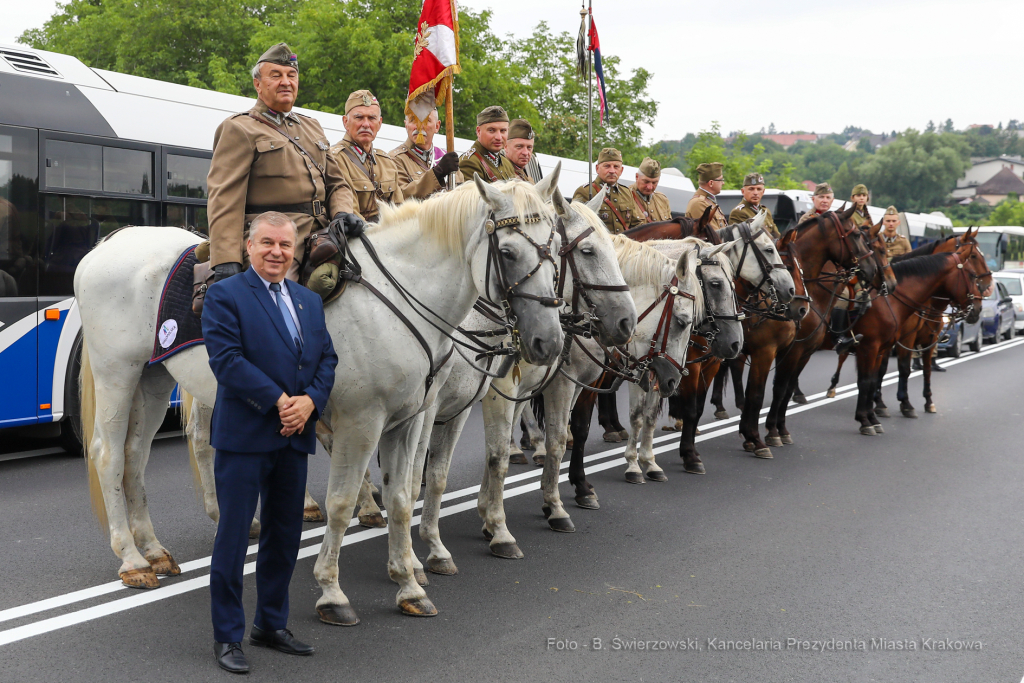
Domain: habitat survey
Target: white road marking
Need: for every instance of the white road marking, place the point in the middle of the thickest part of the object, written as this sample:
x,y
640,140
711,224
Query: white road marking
x,y
719,428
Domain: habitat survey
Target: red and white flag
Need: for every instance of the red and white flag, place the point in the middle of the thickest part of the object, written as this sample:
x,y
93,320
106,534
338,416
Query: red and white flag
x,y
435,59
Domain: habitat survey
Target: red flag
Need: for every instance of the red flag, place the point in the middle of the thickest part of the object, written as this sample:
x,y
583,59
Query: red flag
x,y
595,46
435,59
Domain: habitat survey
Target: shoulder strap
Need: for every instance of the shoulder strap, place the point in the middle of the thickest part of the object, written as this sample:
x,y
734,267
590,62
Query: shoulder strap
x,y
625,223
419,162
487,167
302,150
641,204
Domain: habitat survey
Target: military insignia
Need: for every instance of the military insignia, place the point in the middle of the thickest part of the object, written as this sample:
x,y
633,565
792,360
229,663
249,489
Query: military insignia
x,y
368,101
422,40
322,145
276,118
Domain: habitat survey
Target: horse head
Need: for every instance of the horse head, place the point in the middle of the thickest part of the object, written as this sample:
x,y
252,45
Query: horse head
x,y
756,259
977,259
876,243
801,303
723,324
972,274
589,264
513,262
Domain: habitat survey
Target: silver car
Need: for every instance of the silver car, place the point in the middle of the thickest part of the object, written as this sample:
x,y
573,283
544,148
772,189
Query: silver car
x,y
1013,280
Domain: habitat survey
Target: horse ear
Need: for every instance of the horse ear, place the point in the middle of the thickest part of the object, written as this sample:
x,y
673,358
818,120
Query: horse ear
x,y
786,238
686,263
847,213
561,206
758,221
705,218
495,199
722,247
873,231
549,183
595,203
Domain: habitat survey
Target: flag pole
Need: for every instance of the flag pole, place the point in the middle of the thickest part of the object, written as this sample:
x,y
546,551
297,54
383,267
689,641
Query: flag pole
x,y
590,104
449,124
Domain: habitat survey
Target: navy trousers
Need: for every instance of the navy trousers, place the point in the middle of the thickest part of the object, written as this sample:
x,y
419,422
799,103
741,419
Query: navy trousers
x,y
278,478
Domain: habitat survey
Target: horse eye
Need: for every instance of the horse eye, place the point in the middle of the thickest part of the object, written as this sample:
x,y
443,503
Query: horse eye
x,y
716,284
587,251
769,250
507,253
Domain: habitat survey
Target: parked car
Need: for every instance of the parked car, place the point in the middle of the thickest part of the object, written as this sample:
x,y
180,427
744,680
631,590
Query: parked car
x,y
961,334
1013,280
997,315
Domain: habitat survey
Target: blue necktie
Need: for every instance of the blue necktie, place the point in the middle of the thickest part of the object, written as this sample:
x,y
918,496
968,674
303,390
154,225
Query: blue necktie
x,y
275,287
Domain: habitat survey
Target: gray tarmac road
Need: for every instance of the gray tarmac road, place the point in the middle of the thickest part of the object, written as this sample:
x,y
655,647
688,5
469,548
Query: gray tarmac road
x,y
907,540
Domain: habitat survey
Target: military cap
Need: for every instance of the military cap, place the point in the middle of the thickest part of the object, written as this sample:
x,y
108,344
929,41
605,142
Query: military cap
x,y
360,98
891,211
753,179
609,154
491,115
520,128
280,54
822,188
859,188
710,171
650,168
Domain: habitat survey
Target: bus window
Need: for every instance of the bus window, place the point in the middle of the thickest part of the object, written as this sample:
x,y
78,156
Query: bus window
x,y
186,176
127,171
73,225
988,242
186,216
19,186
1014,250
74,165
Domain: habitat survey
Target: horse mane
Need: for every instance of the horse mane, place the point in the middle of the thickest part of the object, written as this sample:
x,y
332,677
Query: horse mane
x,y
920,266
671,250
444,217
593,220
923,250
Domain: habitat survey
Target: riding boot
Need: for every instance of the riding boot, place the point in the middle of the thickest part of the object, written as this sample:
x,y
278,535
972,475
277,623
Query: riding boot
x,y
844,341
936,367
862,302
917,364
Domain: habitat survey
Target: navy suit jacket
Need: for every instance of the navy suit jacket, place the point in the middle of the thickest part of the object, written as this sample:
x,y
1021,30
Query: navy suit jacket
x,y
254,360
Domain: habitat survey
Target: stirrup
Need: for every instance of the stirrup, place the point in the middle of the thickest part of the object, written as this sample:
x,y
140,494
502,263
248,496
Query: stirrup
x,y
846,344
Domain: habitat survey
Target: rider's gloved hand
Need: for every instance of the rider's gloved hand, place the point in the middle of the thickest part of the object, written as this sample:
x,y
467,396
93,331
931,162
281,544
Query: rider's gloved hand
x,y
225,270
351,224
448,164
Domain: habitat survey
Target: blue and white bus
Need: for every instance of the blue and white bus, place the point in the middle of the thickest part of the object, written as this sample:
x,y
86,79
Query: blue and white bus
x,y
85,151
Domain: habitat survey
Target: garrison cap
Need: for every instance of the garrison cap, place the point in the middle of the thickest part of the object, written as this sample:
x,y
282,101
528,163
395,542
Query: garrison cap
x,y
822,188
360,98
280,54
609,154
491,115
520,128
859,188
753,179
650,168
710,171
891,211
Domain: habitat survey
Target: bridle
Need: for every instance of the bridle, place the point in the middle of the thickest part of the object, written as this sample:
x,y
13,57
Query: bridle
x,y
760,302
791,255
507,291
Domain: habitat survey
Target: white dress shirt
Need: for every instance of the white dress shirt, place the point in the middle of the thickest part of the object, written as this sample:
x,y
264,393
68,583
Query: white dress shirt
x,y
287,299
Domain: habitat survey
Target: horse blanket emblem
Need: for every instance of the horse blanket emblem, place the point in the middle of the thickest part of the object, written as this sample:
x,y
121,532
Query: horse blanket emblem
x,y
177,327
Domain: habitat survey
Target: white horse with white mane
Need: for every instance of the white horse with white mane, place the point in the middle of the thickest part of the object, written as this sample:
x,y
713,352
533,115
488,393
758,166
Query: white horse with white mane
x,y
443,250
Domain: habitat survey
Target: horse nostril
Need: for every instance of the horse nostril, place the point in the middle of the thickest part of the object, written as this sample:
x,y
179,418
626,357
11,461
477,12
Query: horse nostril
x,y
539,347
735,347
625,326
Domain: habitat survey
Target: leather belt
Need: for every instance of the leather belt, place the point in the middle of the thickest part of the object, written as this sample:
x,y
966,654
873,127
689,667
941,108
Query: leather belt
x,y
314,208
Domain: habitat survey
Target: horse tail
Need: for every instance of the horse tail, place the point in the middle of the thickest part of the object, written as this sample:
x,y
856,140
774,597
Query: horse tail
x,y
187,428
537,405
87,401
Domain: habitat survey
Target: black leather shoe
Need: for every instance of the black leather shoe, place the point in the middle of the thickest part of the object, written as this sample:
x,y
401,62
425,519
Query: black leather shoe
x,y
846,344
282,641
937,368
230,657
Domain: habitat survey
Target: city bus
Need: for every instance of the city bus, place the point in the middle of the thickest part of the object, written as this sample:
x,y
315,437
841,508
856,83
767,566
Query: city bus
x,y
1003,245
85,151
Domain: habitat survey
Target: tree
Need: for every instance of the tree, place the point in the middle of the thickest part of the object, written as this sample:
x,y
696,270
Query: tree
x,y
771,129
709,148
930,128
917,170
1008,212
947,127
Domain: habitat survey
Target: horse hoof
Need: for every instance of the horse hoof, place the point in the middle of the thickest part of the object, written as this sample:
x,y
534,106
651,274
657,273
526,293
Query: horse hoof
x,y
507,551
868,430
487,534
634,478
787,439
312,515
624,434
562,524
677,427
800,398
908,412
421,576
930,408
881,412
831,393
442,565
337,615
657,475
879,430
420,607
721,415
538,460
748,446
373,520
765,453
696,432
694,468
612,437
518,459
773,440
144,577
588,502
164,565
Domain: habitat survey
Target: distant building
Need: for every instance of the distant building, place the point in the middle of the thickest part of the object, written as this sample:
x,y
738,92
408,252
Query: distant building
x,y
984,169
999,186
787,140
877,141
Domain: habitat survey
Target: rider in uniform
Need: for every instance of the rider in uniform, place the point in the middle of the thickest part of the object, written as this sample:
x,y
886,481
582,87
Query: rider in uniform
x,y
895,243
272,159
821,202
652,205
711,182
753,191
485,156
422,168
619,211
859,197
519,148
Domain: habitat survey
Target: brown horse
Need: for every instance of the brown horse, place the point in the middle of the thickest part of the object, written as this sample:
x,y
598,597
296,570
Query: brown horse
x,y
764,334
833,241
901,315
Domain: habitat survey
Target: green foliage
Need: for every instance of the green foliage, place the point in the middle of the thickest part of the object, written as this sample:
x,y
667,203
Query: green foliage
x,y
1008,212
709,148
916,171
975,213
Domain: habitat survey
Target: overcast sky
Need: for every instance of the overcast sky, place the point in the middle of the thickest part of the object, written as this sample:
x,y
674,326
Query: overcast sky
x,y
815,66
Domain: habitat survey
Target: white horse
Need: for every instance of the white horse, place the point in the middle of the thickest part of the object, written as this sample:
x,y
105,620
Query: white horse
x,y
438,250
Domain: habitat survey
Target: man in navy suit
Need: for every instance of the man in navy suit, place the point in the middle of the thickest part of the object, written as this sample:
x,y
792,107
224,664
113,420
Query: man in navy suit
x,y
274,363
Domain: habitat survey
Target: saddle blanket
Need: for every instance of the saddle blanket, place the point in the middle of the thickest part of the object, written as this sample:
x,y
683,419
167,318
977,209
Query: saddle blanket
x,y
177,327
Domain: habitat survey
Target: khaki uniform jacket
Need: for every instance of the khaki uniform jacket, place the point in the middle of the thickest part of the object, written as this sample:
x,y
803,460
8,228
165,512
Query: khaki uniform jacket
x,y
898,246
384,186
699,202
625,215
655,210
254,165
861,219
522,174
414,177
476,161
745,211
